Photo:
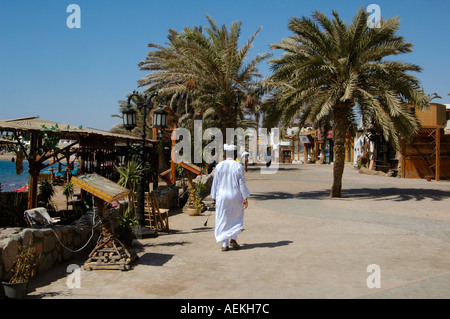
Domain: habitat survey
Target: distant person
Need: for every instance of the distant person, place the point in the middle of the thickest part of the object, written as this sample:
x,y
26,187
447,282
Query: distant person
x,y
268,157
230,193
244,157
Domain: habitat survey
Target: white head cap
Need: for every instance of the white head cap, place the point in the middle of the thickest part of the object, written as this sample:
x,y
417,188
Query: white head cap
x,y
229,147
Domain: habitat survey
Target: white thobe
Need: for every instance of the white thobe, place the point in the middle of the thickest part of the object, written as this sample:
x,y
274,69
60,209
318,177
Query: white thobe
x,y
229,190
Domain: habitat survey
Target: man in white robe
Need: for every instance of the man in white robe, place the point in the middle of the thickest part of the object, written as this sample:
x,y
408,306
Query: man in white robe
x,y
230,193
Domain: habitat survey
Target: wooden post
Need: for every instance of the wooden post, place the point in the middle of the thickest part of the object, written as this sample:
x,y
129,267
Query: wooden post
x,y
438,155
33,178
106,223
305,153
33,172
191,188
403,154
316,148
67,155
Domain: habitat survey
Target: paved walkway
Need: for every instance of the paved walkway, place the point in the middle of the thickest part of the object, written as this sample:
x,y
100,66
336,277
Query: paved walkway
x,y
297,243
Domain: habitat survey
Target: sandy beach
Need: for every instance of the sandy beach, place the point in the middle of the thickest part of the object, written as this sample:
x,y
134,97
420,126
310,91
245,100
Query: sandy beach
x,y
7,156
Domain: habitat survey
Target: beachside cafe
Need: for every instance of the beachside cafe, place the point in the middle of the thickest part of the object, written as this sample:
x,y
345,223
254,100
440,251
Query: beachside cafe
x,y
97,151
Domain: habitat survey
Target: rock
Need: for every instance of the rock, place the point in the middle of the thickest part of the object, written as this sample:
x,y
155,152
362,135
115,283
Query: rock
x,y
27,236
39,248
49,244
9,253
45,262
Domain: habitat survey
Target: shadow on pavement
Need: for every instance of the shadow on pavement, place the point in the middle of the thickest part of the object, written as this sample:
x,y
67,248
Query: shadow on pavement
x,y
390,193
194,230
274,168
266,245
154,259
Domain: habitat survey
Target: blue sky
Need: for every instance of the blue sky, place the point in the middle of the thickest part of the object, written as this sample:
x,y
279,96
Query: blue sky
x,y
77,76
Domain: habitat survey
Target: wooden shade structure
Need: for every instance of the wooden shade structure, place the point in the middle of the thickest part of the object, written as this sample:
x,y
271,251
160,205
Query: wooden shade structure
x,y
80,137
427,155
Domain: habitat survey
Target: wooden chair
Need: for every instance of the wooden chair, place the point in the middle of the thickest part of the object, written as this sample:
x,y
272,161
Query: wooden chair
x,y
156,218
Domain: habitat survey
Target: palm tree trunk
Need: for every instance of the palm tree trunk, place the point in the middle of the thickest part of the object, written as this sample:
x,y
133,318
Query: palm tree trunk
x,y
228,121
340,124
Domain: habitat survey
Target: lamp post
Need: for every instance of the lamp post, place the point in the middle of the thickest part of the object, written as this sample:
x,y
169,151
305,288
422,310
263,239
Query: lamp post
x,y
129,121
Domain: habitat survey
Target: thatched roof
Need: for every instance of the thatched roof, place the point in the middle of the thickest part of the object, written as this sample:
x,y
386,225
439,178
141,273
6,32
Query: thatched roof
x,y
30,124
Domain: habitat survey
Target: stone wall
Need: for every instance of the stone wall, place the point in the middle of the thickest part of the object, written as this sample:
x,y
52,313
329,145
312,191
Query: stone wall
x,y
73,236
48,247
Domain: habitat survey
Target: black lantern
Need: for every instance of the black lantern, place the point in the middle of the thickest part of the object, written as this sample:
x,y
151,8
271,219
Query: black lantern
x,y
160,117
129,118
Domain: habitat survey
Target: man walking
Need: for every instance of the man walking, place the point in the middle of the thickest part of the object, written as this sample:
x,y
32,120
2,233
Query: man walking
x,y
244,157
230,193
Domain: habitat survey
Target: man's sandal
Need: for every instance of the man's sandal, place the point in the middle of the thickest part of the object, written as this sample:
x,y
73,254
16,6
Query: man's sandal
x,y
234,244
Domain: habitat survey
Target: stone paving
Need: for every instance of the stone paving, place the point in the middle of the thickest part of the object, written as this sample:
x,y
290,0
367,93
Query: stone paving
x,y
297,243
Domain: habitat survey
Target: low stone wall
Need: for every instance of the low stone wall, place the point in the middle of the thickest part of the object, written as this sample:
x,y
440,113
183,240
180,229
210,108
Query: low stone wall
x,y
48,247
75,236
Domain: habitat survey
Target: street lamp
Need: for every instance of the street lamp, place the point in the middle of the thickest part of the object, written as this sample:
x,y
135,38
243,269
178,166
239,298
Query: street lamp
x,y
160,117
129,121
129,118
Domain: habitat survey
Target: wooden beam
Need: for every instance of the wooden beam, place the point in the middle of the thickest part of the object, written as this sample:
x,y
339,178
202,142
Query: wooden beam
x,y
191,188
46,157
316,149
305,153
403,153
438,155
33,171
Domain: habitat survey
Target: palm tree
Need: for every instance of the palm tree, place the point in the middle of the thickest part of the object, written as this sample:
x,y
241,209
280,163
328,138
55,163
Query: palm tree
x,y
330,69
208,67
433,96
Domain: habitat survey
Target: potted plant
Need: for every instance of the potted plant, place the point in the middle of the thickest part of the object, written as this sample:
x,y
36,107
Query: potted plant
x,y
24,268
197,205
127,223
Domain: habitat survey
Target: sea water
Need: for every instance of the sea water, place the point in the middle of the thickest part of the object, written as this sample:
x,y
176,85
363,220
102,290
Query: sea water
x,y
9,179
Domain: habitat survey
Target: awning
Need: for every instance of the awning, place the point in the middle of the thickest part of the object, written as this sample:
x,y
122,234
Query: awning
x,y
29,124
